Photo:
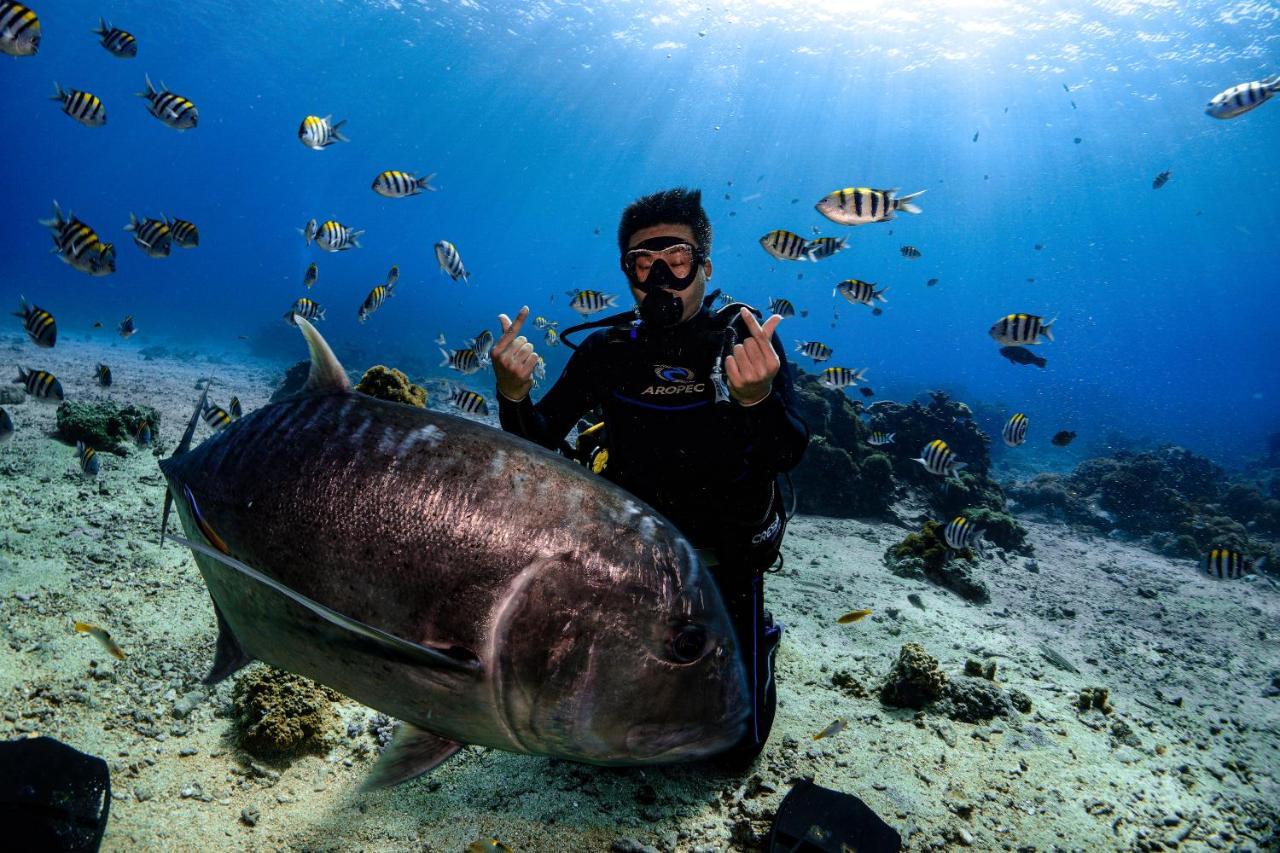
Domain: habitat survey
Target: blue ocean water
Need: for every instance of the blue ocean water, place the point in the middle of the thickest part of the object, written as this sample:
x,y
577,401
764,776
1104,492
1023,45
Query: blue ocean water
x,y
543,120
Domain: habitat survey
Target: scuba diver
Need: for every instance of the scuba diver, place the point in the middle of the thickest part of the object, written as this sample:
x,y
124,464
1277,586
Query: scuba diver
x,y
697,418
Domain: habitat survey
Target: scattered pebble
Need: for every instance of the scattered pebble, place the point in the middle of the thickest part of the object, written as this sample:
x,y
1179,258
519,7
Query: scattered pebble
x,y
249,816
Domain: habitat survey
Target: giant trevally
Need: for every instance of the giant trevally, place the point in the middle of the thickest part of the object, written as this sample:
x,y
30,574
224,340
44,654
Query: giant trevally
x,y
472,584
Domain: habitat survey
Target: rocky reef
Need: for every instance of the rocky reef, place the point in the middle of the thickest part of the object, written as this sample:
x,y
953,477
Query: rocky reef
x,y
281,714
294,378
916,681
104,425
925,554
1181,503
387,383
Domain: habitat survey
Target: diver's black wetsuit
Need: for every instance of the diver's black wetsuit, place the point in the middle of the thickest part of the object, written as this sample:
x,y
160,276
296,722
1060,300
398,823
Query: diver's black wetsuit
x,y
711,468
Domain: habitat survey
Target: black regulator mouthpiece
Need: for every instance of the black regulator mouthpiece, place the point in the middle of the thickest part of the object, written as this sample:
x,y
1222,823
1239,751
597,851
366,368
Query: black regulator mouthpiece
x,y
662,306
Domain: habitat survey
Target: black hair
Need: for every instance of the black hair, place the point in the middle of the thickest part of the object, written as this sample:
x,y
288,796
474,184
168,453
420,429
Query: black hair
x,y
677,206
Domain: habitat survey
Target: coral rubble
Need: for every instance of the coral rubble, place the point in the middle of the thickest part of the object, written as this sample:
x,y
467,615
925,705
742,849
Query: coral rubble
x,y
280,713
387,383
925,554
103,424
915,680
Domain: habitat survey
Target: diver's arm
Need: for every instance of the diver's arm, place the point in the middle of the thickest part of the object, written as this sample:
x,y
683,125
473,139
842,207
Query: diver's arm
x,y
548,422
778,437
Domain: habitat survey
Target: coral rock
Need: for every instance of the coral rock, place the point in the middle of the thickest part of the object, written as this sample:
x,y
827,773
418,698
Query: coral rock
x,y
104,425
1094,697
915,680
280,713
294,378
387,383
926,554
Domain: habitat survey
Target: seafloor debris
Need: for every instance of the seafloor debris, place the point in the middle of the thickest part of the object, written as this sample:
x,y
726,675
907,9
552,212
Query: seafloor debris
x,y
280,713
915,680
848,684
294,378
980,670
103,425
387,383
1094,697
926,554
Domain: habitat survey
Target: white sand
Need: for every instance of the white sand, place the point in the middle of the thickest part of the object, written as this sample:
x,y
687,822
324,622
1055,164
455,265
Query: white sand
x,y
72,549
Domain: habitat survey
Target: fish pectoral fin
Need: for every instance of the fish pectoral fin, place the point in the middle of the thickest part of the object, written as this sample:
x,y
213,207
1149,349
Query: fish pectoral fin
x,y
412,752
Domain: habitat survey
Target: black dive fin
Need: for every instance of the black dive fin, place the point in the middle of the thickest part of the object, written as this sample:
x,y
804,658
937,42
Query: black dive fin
x,y
814,819
350,632
412,752
229,657
326,373
183,447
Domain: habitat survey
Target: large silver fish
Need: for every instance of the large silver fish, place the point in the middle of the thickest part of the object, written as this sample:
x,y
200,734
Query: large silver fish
x,y
476,586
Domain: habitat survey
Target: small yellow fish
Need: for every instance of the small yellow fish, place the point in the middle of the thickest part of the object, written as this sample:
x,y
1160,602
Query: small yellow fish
x,y
102,637
853,616
487,845
834,729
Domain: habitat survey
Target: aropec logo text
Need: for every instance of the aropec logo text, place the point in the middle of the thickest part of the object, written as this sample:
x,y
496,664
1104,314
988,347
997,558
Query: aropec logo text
x,y
682,381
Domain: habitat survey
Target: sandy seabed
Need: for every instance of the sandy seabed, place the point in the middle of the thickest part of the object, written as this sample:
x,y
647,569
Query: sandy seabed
x,y
1187,662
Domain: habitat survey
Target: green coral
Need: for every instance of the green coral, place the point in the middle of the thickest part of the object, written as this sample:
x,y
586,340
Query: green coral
x,y
280,713
927,547
103,424
387,383
1000,528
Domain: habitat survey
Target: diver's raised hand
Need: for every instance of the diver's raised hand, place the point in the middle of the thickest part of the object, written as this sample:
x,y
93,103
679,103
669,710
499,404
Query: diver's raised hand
x,y
514,358
754,363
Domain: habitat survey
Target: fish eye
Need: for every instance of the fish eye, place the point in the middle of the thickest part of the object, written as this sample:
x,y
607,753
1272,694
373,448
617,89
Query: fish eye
x,y
688,643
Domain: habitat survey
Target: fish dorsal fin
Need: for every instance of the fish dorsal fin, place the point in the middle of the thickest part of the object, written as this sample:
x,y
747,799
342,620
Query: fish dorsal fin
x,y
326,373
412,752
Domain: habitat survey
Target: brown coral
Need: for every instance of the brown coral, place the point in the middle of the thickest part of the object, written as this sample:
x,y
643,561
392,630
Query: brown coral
x,y
915,680
387,383
281,713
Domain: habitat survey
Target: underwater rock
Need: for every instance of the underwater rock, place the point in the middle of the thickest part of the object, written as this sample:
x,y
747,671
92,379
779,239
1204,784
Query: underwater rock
x,y
387,383
1001,529
976,669
915,680
974,700
1094,697
847,684
12,395
915,425
280,713
925,554
104,425
294,378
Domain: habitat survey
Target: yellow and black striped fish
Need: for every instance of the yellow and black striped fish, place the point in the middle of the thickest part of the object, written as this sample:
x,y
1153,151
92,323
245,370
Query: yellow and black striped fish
x,y
103,374
552,337
860,205
215,416
319,133
782,307
1229,563
84,107
40,384
939,459
396,184
117,42
588,302
332,236
88,459
816,350
152,236
1021,330
910,252
841,377
960,533
185,233
825,247
860,292
451,262
235,408
19,30
465,361
38,322
374,301
1015,431
469,401
174,110
482,342
1240,99
785,245
880,439
79,246
306,308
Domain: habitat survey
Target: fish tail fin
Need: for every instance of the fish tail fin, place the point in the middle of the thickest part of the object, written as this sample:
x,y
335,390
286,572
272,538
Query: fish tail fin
x,y
1272,83
102,29
133,222
1046,330
22,375
444,353
334,127
57,221
355,238
425,183
905,204
57,95
879,294
183,447
22,307
151,90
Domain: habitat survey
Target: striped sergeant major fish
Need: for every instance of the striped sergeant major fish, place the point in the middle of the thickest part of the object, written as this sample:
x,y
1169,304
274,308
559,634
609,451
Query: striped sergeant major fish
x,y
782,307
396,184
468,401
6,426
304,307
41,384
1015,431
860,292
1238,100
910,252
103,374
174,110
312,273
1229,563
393,275
127,327
84,107
90,464
79,246
1022,330
451,262
815,350
1162,179
332,236
39,323
185,233
541,322
861,205
118,43
19,30
319,133
465,361
234,407
482,343
588,302
841,377
142,435
552,337
825,247
880,439
939,459
152,236
374,301
215,416
786,246
960,533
